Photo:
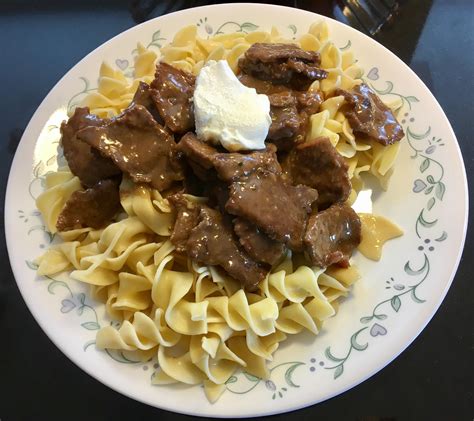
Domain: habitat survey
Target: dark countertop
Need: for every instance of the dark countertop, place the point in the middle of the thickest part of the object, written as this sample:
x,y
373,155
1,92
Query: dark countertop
x,y
432,379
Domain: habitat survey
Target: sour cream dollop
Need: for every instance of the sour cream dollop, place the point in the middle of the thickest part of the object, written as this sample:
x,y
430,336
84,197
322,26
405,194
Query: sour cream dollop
x,y
228,112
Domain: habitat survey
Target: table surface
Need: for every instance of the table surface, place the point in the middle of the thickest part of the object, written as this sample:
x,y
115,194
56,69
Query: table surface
x,y
41,41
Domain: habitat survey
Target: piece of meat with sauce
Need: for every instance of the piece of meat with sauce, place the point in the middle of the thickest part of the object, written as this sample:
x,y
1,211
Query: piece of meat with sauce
x,y
288,126
218,193
309,101
203,157
332,235
233,166
197,151
257,244
94,207
199,156
139,146
84,161
187,217
143,96
289,111
172,91
369,116
284,64
275,207
319,165
212,242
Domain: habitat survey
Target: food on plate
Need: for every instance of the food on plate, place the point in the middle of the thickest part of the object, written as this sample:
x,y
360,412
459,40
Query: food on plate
x,y
207,202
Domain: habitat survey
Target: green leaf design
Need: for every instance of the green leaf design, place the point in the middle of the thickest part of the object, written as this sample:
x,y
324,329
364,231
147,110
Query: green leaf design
x,y
418,136
293,29
396,303
424,222
424,165
51,160
429,190
415,298
412,99
52,286
38,169
412,272
120,357
231,379
289,373
347,46
367,319
250,377
81,297
86,83
380,316
157,35
248,26
155,44
338,371
431,203
430,179
385,91
356,345
440,190
90,325
331,357
37,228
88,344
443,237
31,265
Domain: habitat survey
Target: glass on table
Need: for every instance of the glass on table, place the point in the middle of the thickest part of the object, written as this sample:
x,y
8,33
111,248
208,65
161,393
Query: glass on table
x,y
365,15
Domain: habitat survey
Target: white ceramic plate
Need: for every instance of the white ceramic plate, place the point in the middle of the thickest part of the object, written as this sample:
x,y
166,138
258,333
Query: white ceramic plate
x,y
386,310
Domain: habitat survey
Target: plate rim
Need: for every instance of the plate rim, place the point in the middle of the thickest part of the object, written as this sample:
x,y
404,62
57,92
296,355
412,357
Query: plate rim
x,y
9,233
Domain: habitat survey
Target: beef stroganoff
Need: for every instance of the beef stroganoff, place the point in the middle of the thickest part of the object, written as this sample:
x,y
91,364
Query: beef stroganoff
x,y
209,257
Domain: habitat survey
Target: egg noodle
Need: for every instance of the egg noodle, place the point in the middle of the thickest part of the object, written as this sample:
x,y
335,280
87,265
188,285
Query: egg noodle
x,y
200,323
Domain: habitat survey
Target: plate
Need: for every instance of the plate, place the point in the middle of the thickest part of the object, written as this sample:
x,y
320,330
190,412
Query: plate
x,y
386,309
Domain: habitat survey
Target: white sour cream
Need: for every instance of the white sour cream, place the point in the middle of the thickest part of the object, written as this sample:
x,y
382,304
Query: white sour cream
x,y
228,112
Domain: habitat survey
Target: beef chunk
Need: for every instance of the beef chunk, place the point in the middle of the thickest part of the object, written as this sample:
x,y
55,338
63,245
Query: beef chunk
x,y
197,151
199,156
232,166
289,110
139,146
369,116
257,244
143,97
318,164
332,235
284,64
288,127
187,217
277,208
290,122
173,91
83,160
212,242
94,207
218,193
309,102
